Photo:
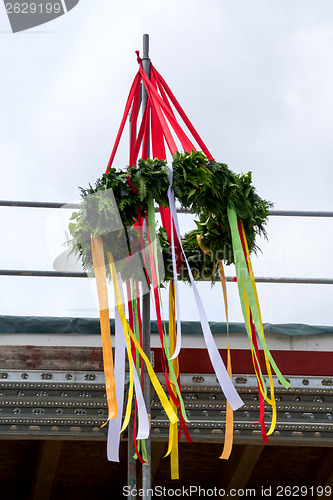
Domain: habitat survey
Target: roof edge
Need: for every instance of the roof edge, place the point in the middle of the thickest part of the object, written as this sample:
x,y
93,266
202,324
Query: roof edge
x,y
90,326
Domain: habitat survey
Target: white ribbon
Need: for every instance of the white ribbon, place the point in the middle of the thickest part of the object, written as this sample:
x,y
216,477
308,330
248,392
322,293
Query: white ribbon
x,y
171,197
115,424
220,370
143,427
113,440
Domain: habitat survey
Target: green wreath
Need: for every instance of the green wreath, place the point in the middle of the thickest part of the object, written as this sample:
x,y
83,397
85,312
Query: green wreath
x,y
204,188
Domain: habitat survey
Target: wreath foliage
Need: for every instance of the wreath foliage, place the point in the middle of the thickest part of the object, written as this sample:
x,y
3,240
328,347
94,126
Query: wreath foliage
x,y
204,188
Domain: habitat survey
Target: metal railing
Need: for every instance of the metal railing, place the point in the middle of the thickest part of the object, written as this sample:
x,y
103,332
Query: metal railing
x,y
60,274
51,204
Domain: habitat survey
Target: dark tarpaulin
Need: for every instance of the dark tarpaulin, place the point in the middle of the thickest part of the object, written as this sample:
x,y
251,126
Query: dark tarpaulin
x,y
55,325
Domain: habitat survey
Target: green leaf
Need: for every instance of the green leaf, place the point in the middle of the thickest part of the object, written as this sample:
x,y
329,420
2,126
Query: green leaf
x,y
207,188
71,228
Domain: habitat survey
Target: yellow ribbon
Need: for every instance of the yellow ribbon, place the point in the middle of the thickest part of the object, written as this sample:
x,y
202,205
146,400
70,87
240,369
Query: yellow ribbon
x,y
100,274
173,429
129,334
270,400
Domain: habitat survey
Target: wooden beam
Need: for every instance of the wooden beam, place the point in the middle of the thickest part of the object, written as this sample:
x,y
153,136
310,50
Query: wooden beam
x,y
328,484
46,467
158,450
27,357
323,475
236,472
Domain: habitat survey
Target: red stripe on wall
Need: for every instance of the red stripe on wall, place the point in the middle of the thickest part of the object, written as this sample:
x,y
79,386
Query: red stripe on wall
x,y
313,363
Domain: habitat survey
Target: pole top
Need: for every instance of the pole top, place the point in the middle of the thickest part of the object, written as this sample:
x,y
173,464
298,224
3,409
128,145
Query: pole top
x,y
145,46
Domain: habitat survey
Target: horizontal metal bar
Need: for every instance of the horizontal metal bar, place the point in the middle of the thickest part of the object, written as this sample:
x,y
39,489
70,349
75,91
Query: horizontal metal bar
x,y
42,274
47,204
231,279
299,281
284,213
38,204
301,213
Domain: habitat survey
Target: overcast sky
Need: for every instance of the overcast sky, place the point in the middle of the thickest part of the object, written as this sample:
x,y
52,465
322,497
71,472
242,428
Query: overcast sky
x,y
254,76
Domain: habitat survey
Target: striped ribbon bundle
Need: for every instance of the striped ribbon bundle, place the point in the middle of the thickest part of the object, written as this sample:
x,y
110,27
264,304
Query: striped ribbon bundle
x,y
159,120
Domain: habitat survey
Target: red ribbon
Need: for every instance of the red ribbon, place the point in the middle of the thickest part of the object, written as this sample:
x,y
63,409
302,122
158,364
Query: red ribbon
x,y
160,118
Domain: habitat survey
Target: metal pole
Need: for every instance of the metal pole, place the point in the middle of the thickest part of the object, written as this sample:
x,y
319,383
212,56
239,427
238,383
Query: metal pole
x,y
146,67
51,204
146,469
131,460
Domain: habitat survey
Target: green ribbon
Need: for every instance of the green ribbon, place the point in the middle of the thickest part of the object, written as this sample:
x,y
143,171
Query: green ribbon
x,y
243,277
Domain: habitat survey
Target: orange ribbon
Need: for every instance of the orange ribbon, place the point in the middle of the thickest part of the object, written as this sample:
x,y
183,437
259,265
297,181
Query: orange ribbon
x,y
100,274
229,425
